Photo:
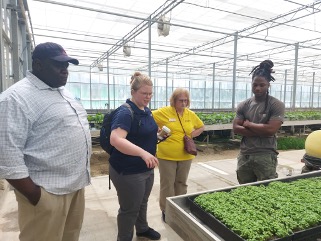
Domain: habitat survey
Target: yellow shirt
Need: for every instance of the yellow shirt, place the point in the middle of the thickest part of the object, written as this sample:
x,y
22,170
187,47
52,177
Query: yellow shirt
x,y
173,147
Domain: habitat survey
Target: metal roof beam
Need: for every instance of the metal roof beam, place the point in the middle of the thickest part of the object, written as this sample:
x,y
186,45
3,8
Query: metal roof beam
x,y
247,32
165,8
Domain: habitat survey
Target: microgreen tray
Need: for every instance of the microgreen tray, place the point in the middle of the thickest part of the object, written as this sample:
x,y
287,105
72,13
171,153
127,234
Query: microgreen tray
x,y
223,231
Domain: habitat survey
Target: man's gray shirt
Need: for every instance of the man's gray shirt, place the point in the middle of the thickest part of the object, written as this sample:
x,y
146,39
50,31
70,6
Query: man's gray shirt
x,y
253,111
44,134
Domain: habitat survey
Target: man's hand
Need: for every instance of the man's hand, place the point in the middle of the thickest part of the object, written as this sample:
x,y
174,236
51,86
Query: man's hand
x,y
28,188
35,196
247,124
241,127
263,129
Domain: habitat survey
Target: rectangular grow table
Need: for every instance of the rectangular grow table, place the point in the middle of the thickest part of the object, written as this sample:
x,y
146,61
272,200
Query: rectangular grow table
x,y
191,223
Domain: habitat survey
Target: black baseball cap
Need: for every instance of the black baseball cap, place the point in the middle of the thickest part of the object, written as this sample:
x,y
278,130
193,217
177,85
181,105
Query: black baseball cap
x,y
53,51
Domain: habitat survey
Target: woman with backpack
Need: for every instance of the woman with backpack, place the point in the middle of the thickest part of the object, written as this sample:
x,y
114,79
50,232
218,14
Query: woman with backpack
x,y
132,160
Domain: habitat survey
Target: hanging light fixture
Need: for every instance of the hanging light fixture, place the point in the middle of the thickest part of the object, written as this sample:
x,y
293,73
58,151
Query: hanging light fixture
x,y
100,67
163,26
126,50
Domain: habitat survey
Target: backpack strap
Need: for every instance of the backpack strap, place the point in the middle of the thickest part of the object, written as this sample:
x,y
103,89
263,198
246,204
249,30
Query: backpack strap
x,y
132,116
130,109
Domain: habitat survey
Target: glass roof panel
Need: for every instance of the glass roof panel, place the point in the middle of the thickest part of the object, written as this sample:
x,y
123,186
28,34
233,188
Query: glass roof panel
x,y
201,32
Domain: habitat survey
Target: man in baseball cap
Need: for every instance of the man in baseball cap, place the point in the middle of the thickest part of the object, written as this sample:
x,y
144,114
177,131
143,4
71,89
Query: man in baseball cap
x,y
50,64
45,148
52,51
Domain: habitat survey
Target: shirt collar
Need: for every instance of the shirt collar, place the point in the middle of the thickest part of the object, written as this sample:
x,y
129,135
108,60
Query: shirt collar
x,y
39,83
146,110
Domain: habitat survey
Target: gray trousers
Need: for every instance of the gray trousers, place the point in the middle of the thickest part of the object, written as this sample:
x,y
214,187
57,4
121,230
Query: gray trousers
x,y
133,192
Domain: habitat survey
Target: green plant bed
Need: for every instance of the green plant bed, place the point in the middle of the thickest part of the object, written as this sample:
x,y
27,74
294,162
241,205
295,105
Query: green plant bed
x,y
303,115
290,143
267,212
96,120
227,117
216,117
283,143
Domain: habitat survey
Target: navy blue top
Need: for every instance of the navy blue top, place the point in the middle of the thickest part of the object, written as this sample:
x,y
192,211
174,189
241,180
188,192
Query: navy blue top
x,y
142,131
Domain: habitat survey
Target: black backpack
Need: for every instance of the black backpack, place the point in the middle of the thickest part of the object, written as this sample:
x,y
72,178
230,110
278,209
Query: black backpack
x,y
105,130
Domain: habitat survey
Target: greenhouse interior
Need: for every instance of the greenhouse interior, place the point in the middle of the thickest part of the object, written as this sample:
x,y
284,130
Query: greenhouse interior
x,y
208,47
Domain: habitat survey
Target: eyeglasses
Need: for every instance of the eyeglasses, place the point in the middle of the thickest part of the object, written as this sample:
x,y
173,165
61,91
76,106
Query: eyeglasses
x,y
182,100
146,94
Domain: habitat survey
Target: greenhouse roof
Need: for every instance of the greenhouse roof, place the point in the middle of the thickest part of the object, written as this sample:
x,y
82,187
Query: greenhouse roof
x,y
202,34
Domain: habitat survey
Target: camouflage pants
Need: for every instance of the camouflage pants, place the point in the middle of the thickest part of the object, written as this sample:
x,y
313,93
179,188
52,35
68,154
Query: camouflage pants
x,y
309,168
256,167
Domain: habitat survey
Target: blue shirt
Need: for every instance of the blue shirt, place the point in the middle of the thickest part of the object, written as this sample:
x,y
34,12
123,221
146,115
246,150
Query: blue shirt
x,y
142,131
44,134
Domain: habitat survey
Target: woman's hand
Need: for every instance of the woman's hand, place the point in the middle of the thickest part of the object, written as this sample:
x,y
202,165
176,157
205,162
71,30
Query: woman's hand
x,y
162,138
118,139
150,160
197,132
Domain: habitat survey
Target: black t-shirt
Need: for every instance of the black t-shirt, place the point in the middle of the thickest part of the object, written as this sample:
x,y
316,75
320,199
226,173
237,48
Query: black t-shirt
x,y
142,131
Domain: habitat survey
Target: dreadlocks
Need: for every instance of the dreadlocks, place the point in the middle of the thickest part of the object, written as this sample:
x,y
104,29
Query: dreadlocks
x,y
264,69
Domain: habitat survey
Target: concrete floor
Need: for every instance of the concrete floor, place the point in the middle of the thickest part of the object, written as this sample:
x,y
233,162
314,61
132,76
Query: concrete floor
x,y
101,204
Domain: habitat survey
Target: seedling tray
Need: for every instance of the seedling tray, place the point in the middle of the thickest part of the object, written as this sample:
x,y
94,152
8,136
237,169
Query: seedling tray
x,y
223,231
217,226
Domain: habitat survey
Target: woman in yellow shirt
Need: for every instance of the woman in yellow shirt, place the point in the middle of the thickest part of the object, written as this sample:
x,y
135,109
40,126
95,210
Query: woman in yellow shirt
x,y
174,161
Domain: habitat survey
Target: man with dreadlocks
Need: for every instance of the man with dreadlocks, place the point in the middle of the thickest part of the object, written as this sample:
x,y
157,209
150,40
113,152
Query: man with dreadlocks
x,y
257,120
312,156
